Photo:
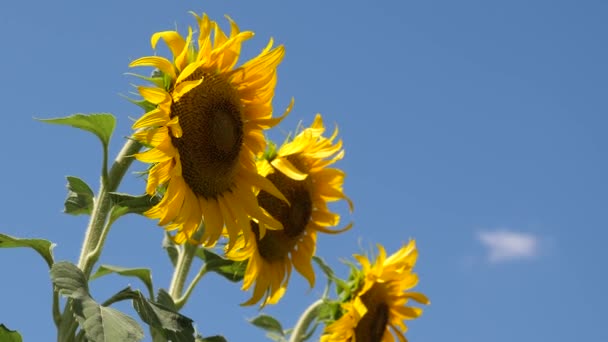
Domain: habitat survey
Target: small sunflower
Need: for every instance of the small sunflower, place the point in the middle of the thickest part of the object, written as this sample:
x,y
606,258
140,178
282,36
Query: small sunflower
x,y
377,309
299,169
205,128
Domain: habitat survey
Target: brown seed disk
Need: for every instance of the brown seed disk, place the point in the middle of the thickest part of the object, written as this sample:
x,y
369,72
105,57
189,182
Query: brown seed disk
x,y
277,244
372,326
211,121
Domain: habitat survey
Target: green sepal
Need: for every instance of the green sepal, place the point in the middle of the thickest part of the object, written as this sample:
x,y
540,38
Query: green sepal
x,y
229,269
271,151
341,285
100,124
43,247
128,204
329,311
215,338
99,323
143,274
157,78
171,249
268,323
143,104
7,335
80,198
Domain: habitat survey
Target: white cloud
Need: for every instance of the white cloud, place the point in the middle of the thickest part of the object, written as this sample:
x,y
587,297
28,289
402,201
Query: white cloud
x,y
504,245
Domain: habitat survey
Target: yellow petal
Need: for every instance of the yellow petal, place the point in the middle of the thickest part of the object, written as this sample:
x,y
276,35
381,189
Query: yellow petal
x,y
288,169
160,63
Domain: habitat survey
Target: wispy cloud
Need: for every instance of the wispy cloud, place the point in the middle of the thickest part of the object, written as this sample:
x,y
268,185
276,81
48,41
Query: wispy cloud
x,y
505,245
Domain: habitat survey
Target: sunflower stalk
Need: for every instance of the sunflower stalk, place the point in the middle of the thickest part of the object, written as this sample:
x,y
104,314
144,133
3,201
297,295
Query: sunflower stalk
x,y
179,303
102,206
97,230
306,319
182,269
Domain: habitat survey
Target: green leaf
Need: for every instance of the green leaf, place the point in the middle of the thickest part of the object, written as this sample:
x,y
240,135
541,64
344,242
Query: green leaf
x,y
229,269
175,326
268,323
164,298
124,294
127,204
69,279
43,247
101,124
171,249
215,338
143,274
7,335
100,323
80,197
103,324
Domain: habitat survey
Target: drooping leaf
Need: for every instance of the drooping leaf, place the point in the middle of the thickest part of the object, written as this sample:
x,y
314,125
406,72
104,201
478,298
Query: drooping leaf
x,y
268,323
171,249
100,124
99,323
175,326
104,324
69,279
80,197
229,269
7,335
164,298
43,247
124,294
129,204
143,274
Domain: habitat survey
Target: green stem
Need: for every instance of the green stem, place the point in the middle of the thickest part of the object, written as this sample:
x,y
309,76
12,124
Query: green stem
x,y
308,316
183,299
98,228
103,204
56,312
182,268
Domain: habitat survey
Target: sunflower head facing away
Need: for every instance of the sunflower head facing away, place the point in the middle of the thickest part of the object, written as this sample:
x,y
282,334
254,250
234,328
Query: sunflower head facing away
x,y
204,128
299,169
376,309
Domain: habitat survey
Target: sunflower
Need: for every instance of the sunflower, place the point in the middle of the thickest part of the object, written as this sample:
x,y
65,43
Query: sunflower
x,y
377,309
204,129
299,169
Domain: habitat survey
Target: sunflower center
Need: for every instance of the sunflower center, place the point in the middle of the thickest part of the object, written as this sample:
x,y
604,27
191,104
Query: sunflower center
x,y
276,245
210,118
373,324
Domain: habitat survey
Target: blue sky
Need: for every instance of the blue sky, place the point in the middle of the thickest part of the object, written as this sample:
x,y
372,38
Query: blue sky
x,y
476,127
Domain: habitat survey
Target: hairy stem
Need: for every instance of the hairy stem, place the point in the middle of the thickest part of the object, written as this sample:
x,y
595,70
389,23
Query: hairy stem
x,y
97,229
308,316
179,303
102,205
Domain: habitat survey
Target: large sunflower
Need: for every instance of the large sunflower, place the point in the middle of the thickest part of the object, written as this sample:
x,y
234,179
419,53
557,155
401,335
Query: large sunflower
x,y
377,309
205,129
299,169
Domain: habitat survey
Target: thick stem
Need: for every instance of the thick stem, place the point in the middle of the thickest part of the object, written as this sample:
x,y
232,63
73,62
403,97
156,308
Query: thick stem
x,y
308,316
92,244
183,299
182,268
102,205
